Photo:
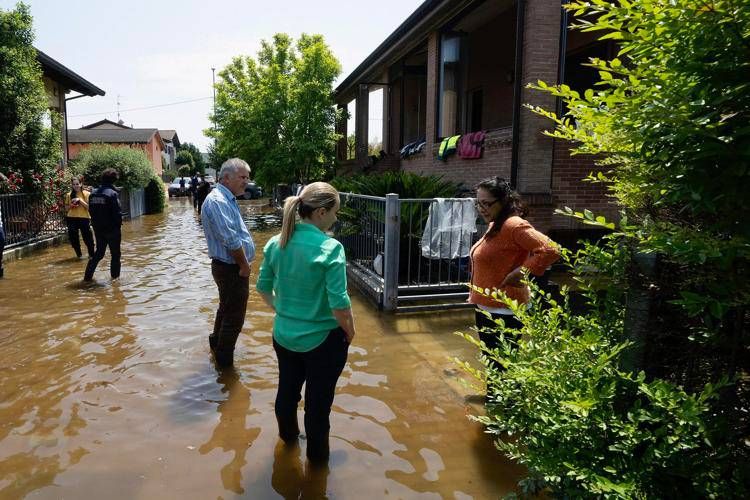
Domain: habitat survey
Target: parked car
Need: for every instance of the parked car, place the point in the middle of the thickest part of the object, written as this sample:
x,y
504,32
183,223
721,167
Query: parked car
x,y
252,192
174,188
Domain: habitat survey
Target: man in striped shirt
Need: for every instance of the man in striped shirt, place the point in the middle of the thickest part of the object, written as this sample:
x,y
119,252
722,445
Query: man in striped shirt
x,y
231,249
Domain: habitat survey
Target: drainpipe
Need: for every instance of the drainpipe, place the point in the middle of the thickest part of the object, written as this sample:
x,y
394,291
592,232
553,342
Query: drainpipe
x,y
520,17
560,77
563,50
67,145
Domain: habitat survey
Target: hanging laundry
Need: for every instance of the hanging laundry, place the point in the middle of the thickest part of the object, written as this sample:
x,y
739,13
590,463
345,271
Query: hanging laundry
x,y
449,229
412,148
470,146
448,147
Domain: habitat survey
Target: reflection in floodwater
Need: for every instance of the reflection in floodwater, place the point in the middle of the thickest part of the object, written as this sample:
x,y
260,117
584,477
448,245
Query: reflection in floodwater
x,y
230,434
292,480
108,389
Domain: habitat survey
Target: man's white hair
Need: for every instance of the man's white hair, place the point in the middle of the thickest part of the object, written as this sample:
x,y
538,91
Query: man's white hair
x,y
231,166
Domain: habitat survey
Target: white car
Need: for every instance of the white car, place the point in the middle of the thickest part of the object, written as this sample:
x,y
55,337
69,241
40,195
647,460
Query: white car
x,y
176,190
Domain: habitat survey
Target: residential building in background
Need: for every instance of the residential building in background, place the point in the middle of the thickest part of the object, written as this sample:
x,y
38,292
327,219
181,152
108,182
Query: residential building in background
x,y
171,145
460,66
59,81
107,132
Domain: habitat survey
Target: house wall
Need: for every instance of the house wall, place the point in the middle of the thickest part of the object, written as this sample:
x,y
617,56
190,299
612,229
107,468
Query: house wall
x,y
570,190
495,161
153,151
55,94
540,62
56,102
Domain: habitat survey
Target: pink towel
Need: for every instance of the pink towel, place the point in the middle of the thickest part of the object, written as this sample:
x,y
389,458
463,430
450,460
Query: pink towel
x,y
470,145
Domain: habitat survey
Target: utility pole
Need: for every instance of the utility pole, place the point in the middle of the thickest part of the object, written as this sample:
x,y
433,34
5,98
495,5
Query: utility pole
x,y
213,79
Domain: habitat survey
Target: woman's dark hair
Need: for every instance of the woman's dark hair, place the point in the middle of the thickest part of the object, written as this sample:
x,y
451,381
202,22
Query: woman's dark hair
x,y
510,201
72,189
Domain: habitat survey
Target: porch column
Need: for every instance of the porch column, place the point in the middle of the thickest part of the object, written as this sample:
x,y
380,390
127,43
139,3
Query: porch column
x,y
341,129
385,133
361,123
433,87
540,60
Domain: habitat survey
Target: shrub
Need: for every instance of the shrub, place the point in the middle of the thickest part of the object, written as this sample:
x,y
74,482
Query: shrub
x,y
132,165
647,401
155,196
405,184
583,425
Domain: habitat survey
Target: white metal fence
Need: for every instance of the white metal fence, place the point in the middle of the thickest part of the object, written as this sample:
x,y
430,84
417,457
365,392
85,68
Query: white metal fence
x,y
409,254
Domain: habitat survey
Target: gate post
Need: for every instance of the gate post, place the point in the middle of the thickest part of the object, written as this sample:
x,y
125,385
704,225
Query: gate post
x,y
391,251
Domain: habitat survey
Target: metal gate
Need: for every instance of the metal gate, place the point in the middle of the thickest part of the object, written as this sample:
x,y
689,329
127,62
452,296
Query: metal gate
x,y
401,256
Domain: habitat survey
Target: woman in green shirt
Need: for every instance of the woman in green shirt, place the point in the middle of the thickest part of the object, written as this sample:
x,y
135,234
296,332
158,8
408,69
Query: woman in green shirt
x,y
303,278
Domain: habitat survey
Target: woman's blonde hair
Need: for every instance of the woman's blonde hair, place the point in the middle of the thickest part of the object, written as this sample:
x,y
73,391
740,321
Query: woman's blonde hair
x,y
313,196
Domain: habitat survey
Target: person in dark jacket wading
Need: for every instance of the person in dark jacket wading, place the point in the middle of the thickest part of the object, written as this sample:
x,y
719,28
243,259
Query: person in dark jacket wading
x,y
106,219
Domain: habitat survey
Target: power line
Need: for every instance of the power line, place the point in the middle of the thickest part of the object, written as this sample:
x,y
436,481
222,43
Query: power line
x,y
141,108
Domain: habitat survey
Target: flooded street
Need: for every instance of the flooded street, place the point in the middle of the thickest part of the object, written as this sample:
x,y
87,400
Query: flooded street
x,y
108,390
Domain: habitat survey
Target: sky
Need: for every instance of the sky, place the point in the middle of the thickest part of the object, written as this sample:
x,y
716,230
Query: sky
x,y
154,53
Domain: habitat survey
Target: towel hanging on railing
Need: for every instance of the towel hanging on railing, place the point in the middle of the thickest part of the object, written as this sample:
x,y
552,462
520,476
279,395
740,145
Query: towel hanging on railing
x,y
449,229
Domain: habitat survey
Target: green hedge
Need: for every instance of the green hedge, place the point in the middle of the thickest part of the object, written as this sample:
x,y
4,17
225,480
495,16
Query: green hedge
x,y
132,165
156,198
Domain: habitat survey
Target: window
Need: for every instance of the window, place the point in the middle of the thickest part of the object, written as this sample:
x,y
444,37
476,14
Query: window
x,y
450,84
476,68
375,122
409,97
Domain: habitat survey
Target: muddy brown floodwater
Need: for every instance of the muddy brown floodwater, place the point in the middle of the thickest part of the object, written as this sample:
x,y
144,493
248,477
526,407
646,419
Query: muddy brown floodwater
x,y
108,390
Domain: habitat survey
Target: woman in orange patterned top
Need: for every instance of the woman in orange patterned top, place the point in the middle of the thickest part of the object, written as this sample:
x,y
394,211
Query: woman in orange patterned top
x,y
499,259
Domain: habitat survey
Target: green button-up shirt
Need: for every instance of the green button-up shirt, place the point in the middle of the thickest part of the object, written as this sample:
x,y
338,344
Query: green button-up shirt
x,y
308,280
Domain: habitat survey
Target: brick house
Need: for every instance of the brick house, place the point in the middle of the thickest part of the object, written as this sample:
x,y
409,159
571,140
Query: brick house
x,y
58,82
116,134
459,66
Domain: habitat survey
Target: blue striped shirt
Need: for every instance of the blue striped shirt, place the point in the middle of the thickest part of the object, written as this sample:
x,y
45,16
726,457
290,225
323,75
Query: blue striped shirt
x,y
223,226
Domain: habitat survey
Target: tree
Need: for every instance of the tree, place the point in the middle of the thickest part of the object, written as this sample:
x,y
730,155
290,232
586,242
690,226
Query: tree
x,y
351,147
30,150
216,158
132,165
603,405
184,157
277,111
198,163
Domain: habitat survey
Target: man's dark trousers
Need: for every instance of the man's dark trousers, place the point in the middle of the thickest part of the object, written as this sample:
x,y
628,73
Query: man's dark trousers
x,y
234,291
318,369
105,239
